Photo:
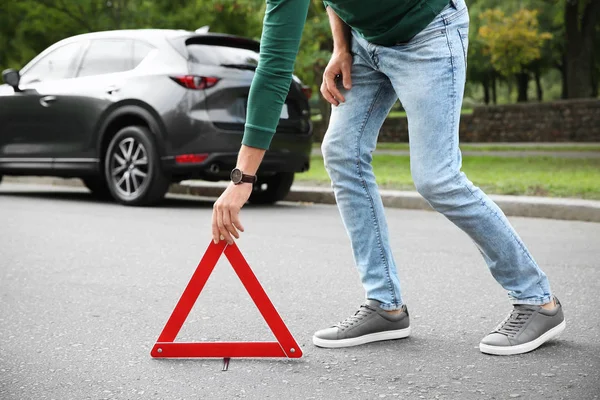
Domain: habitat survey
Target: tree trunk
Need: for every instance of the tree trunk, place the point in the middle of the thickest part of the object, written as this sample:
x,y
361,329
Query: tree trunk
x,y
538,84
596,67
486,91
522,86
563,73
580,37
494,91
595,84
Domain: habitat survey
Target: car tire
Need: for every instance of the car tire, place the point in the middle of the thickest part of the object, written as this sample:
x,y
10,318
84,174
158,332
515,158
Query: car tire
x,y
98,187
132,168
272,189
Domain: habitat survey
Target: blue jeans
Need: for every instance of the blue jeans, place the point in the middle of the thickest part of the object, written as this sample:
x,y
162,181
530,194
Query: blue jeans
x,y
427,74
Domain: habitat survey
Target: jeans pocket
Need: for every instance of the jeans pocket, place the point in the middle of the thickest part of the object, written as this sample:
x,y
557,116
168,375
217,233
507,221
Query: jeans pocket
x,y
463,33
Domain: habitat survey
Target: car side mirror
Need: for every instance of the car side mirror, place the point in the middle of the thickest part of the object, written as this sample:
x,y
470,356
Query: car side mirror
x,y
12,77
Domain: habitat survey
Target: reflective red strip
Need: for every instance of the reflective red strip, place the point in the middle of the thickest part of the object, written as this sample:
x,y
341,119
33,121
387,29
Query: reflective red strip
x,y
190,158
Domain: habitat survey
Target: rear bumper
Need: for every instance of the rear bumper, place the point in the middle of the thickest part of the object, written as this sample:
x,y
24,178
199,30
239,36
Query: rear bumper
x,y
288,153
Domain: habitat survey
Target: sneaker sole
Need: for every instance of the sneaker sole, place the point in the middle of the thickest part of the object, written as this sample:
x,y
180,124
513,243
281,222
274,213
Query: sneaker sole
x,y
372,337
525,347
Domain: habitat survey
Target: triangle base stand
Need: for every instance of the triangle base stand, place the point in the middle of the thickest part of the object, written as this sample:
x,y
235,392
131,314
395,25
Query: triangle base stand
x,y
166,347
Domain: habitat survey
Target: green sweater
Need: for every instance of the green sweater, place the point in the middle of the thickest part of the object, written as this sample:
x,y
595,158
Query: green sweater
x,y
382,22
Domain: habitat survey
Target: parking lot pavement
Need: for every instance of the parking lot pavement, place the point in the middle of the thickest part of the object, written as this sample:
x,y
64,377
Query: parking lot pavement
x,y
86,287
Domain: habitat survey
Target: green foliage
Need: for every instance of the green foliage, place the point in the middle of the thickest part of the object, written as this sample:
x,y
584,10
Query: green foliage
x,y
512,43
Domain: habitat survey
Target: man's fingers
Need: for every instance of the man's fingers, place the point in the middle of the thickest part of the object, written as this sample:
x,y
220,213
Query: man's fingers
x,y
215,228
228,225
220,223
332,87
328,96
235,220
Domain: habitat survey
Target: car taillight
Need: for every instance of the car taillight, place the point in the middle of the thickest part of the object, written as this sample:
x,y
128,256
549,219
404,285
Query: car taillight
x,y
196,82
307,91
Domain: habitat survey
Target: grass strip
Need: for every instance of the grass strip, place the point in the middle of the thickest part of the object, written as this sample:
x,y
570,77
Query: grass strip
x,y
492,148
531,176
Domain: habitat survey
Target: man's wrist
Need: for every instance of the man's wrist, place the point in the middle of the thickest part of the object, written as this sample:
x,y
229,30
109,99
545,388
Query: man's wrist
x,y
249,159
341,50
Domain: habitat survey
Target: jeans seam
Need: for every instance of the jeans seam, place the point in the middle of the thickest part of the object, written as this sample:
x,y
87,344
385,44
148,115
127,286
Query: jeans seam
x,y
364,185
479,199
465,48
495,214
452,66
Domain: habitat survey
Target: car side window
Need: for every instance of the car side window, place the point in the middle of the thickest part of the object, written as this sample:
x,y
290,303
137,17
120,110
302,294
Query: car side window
x,y
140,51
106,56
58,64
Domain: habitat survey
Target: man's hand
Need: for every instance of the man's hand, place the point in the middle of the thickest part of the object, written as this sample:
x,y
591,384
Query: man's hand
x,y
340,64
225,219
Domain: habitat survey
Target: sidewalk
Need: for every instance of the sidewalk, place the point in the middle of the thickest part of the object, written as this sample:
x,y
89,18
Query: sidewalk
x,y
517,206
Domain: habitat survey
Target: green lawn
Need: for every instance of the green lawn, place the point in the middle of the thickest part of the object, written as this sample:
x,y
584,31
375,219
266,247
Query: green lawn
x,y
532,176
492,147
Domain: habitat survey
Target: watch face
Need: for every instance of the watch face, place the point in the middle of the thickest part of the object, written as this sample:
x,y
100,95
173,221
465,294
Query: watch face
x,y
236,175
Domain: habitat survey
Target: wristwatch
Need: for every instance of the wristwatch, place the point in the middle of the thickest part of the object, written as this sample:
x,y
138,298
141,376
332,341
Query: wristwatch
x,y
238,177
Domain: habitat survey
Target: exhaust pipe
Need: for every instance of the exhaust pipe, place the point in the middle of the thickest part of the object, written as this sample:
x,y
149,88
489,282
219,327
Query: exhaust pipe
x,y
214,168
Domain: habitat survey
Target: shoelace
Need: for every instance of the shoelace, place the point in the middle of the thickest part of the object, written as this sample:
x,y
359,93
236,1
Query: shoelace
x,y
515,320
358,316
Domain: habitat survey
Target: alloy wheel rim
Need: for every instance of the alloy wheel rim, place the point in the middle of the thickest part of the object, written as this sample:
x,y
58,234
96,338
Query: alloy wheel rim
x,y
129,168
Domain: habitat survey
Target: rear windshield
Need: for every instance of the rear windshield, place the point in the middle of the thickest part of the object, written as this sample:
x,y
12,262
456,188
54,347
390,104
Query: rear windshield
x,y
219,55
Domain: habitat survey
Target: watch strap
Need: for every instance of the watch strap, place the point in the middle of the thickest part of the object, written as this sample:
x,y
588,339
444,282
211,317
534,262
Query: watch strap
x,y
248,178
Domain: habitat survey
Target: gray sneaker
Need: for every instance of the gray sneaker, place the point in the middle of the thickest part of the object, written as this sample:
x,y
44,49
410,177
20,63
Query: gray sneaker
x,y
525,329
369,324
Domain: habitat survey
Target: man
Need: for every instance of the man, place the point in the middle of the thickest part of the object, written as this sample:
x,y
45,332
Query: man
x,y
384,50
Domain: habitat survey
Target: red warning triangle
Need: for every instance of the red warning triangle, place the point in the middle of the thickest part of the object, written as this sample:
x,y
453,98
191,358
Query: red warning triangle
x,y
166,347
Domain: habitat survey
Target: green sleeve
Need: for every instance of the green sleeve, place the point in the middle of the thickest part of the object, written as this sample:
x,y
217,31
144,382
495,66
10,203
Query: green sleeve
x,y
282,29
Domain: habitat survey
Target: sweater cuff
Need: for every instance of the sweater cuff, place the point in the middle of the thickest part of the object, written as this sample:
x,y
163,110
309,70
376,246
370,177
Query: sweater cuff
x,y
257,137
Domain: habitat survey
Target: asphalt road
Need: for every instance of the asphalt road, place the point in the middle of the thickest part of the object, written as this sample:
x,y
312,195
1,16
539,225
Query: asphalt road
x,y
86,287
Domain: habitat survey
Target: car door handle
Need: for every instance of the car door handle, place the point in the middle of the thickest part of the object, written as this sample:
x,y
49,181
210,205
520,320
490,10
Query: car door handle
x,y
46,100
112,89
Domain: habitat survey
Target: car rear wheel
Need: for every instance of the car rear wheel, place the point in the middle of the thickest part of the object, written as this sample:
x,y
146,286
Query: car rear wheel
x,y
97,186
132,168
272,188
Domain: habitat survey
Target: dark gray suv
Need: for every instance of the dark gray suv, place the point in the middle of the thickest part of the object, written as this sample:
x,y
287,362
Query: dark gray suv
x,y
131,111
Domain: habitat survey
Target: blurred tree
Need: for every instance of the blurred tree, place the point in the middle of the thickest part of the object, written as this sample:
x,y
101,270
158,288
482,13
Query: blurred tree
x,y
315,52
29,26
480,68
581,22
10,17
513,42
